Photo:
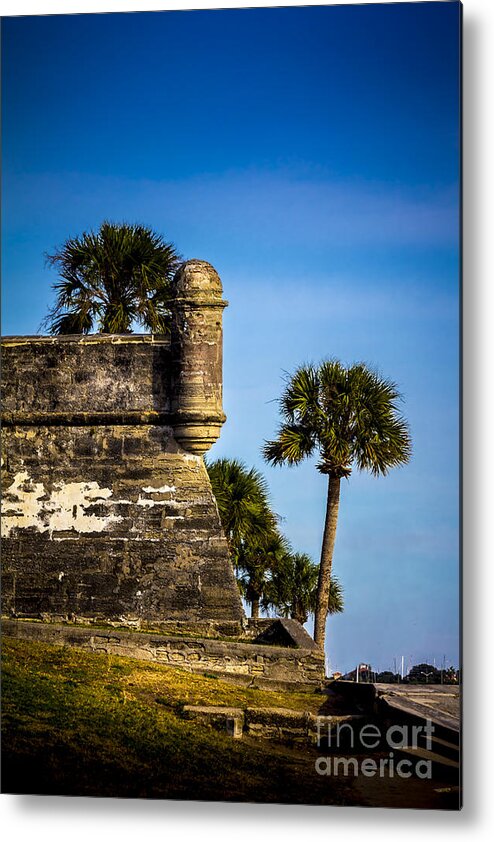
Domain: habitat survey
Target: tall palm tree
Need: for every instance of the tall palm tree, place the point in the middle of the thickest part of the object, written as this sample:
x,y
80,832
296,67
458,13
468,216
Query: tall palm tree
x,y
292,588
249,524
111,279
349,416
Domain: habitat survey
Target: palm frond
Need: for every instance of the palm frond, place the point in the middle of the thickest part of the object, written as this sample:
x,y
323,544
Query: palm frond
x,y
300,398
291,588
294,443
336,602
243,504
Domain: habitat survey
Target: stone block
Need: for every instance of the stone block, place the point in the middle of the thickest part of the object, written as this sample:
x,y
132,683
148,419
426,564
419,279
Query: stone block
x,y
229,720
276,723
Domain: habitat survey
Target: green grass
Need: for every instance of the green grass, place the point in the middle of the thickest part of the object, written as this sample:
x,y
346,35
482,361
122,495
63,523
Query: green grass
x,y
76,723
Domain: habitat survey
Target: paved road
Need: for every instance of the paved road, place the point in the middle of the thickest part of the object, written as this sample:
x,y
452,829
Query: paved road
x,y
436,700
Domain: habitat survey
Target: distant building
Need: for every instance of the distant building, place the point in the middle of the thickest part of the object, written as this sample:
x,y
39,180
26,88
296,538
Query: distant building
x,y
363,673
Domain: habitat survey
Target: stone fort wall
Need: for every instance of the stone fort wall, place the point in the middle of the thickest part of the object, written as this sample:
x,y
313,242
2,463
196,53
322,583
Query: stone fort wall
x,y
107,509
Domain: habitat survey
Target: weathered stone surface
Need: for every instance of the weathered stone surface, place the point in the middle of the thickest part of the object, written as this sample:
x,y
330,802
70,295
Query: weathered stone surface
x,y
197,356
81,379
95,535
276,723
281,724
105,515
246,663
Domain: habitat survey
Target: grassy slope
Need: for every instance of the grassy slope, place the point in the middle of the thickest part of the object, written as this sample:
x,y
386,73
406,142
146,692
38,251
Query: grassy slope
x,y
92,724
75,723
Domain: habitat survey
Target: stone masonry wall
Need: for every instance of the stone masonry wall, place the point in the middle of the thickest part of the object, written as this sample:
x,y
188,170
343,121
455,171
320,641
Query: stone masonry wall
x,y
84,379
107,508
111,522
247,662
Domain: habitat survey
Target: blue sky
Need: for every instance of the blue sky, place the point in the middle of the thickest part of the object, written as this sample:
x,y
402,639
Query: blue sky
x,y
311,155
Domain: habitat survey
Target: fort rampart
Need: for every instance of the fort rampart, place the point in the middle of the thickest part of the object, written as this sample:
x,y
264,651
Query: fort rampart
x,y
107,508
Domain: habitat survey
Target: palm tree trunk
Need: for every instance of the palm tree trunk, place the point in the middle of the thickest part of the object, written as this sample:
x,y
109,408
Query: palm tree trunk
x,y
324,581
253,596
254,609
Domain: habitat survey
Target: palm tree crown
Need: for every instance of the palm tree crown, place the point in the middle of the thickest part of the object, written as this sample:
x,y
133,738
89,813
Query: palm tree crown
x,y
349,415
243,504
292,588
256,562
111,279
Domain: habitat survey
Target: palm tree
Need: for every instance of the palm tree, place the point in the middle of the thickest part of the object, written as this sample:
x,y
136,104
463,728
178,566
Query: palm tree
x,y
249,524
292,588
348,416
257,561
111,279
243,503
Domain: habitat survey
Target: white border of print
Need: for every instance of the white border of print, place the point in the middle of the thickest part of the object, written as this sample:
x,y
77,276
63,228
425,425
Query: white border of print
x,y
50,818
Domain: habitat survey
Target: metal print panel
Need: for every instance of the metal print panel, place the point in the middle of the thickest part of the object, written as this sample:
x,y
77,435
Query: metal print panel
x,y
231,536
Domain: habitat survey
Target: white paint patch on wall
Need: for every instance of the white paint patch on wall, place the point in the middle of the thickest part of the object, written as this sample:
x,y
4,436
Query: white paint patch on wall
x,y
27,504
145,501
150,502
164,489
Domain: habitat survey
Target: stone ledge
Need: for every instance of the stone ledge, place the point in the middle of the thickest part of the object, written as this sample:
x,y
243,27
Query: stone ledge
x,y
88,419
280,724
89,339
212,629
276,723
260,665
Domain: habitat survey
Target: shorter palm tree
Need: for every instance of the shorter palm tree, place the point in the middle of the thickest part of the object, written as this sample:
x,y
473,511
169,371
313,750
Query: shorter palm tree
x,y
257,562
249,524
111,279
292,588
243,504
